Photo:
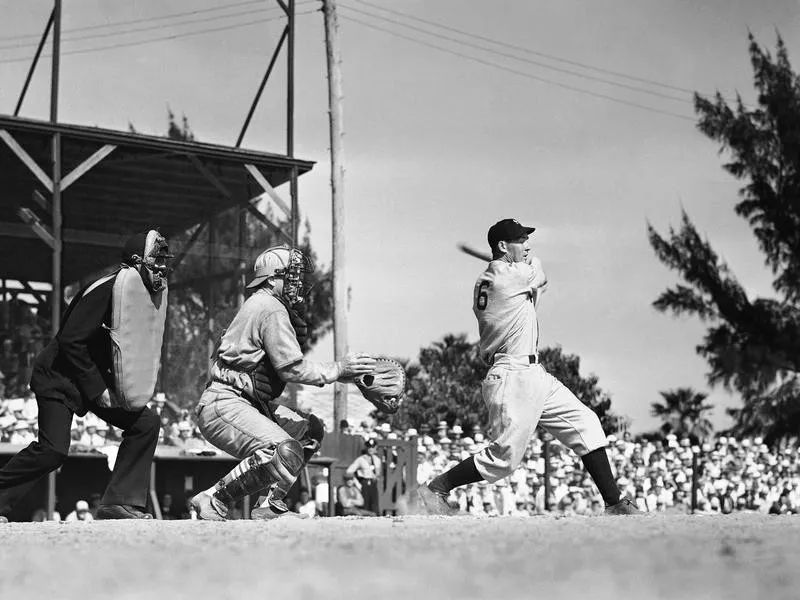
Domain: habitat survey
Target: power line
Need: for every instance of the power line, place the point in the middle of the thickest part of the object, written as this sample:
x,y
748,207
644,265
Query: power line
x,y
525,60
521,73
529,51
150,27
160,39
156,27
133,21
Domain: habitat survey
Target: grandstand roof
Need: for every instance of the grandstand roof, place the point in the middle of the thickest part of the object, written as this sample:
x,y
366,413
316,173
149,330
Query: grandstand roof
x,y
143,181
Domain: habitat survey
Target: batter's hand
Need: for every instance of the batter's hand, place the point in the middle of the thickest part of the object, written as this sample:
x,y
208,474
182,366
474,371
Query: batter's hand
x,y
356,363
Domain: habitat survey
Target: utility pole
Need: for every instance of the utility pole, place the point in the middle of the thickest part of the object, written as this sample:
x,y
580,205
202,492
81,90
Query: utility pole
x,y
337,190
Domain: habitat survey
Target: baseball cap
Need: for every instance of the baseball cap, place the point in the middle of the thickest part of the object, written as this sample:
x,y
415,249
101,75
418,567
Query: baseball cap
x,y
81,505
267,263
506,230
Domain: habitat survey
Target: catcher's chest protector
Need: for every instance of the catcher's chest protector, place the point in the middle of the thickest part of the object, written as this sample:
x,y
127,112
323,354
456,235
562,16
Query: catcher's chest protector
x,y
137,330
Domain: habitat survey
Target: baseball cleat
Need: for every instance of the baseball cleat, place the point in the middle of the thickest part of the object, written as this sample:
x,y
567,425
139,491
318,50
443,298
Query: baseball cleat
x,y
205,508
120,511
433,503
274,509
624,507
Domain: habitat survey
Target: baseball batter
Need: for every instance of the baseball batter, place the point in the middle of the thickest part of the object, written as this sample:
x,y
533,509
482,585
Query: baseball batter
x,y
518,391
258,354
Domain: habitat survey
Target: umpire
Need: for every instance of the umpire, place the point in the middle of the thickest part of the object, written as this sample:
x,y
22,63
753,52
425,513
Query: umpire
x,y
73,375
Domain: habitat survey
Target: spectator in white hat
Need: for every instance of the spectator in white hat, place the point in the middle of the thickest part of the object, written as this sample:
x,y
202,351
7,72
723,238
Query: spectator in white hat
x,y
158,403
81,512
186,440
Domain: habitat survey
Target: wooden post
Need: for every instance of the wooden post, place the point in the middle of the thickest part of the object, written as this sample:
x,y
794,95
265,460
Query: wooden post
x,y
695,476
548,488
242,274
337,190
5,316
57,292
212,240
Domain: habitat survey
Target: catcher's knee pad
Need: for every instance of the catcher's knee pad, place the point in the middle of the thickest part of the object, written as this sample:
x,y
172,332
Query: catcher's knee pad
x,y
288,460
262,469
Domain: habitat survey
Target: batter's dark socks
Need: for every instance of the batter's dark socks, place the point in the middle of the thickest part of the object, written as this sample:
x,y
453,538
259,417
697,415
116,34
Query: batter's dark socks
x,y
463,473
596,462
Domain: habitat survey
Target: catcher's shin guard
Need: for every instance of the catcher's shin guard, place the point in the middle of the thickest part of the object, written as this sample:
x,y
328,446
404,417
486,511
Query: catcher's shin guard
x,y
261,470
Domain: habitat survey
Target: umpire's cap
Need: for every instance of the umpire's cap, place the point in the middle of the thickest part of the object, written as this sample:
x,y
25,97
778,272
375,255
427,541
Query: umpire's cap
x,y
507,230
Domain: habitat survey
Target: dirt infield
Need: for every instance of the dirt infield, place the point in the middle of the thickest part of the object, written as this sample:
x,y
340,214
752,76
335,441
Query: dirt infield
x,y
743,556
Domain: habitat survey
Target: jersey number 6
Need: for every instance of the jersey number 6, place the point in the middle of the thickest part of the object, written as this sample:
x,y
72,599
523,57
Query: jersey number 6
x,y
482,298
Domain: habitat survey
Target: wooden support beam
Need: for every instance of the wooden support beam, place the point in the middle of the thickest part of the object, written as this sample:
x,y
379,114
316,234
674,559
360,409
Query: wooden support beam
x,y
187,248
39,198
212,179
39,296
26,159
36,225
86,166
262,181
258,215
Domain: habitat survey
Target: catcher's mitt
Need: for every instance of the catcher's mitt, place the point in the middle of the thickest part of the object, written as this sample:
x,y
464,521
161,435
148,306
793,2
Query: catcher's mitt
x,y
384,386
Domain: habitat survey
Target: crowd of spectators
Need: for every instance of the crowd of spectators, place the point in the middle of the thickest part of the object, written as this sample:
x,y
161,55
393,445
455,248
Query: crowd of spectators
x,y
732,474
19,425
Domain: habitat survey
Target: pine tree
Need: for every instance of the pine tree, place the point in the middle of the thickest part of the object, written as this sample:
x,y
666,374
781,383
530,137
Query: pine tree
x,y
751,345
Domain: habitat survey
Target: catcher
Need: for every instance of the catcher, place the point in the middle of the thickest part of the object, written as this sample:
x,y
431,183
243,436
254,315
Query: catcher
x,y
259,353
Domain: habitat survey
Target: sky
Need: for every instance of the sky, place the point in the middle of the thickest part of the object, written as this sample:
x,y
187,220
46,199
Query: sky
x,y
573,117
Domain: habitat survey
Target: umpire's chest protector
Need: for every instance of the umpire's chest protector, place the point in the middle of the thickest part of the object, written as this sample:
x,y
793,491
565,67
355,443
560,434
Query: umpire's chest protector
x,y
137,331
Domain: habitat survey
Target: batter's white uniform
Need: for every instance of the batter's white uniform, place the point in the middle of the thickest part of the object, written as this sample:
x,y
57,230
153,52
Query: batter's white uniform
x,y
518,391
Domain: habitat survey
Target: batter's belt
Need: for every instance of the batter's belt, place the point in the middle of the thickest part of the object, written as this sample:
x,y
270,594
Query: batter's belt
x,y
516,359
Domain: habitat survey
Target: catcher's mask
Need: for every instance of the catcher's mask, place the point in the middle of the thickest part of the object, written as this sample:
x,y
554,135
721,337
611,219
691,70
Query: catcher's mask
x,y
290,264
148,252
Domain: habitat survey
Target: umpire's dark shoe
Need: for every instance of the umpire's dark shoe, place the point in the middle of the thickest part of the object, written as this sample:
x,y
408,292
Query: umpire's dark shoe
x,y
121,511
433,503
624,507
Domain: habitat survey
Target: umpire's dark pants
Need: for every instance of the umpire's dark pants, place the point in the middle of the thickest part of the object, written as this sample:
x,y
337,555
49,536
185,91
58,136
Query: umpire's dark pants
x,y
130,477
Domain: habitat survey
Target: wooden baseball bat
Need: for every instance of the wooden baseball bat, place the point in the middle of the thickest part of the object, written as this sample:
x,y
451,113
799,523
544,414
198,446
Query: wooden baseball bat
x,y
474,253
